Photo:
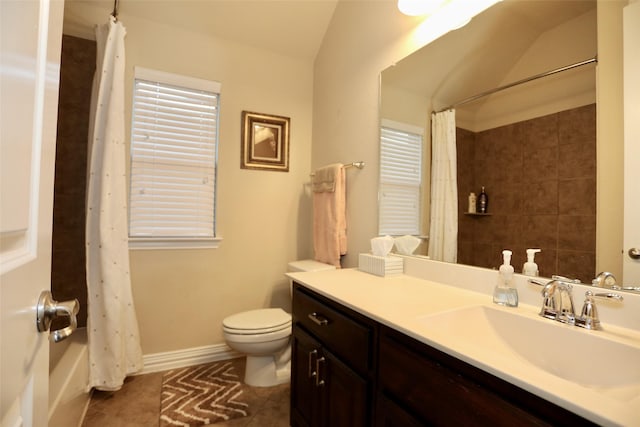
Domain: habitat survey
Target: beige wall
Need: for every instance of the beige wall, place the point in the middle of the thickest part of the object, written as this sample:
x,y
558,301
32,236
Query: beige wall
x,y
355,50
568,43
263,216
610,149
181,296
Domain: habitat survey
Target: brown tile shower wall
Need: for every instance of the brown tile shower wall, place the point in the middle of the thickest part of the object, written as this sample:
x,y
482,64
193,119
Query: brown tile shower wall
x,y
540,176
68,250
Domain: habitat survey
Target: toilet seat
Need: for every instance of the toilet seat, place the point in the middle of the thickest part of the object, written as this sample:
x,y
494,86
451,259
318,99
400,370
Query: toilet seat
x,y
257,322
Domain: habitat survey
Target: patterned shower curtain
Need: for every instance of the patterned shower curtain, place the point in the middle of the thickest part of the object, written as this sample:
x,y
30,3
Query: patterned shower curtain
x,y
443,235
112,327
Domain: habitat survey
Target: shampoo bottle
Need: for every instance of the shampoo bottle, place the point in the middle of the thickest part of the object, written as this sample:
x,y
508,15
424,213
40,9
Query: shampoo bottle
x,y
472,202
530,268
505,293
483,202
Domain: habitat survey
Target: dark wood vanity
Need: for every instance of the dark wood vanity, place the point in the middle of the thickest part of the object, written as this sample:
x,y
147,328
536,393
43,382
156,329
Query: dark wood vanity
x,y
349,370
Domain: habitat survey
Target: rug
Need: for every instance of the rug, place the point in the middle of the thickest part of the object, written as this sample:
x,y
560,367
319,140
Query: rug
x,y
202,395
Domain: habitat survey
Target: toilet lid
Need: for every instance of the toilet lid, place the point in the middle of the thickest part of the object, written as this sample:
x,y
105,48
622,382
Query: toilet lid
x,y
258,321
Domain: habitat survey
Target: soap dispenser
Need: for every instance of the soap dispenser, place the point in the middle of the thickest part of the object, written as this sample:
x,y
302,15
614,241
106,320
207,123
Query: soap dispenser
x,y
530,268
505,293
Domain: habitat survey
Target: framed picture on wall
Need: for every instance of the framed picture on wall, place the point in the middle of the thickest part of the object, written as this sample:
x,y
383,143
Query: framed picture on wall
x,y
265,142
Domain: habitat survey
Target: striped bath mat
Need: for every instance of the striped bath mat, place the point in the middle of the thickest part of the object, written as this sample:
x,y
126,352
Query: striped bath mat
x,y
202,395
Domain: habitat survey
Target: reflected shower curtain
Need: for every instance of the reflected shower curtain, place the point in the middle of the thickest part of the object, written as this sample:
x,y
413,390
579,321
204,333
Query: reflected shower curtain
x,y
443,235
112,327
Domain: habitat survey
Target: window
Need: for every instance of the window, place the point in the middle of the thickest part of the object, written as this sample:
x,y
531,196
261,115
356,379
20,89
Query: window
x,y
174,139
400,179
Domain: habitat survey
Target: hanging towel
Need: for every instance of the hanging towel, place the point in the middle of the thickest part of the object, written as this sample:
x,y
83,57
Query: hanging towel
x,y
324,179
329,214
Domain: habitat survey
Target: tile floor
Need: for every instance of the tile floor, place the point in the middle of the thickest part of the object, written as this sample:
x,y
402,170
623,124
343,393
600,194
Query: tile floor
x,y
137,404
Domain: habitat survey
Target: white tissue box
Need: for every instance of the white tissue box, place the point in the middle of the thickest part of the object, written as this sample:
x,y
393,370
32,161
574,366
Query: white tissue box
x,y
381,265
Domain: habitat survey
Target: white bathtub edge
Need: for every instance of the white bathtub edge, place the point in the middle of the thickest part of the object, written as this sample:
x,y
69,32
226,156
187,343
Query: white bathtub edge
x,y
68,395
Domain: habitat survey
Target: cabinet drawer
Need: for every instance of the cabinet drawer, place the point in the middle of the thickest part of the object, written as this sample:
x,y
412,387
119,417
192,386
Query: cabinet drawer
x,y
336,327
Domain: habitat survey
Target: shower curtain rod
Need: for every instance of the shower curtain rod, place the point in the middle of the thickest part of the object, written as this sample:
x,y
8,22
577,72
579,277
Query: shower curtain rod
x,y
519,82
115,10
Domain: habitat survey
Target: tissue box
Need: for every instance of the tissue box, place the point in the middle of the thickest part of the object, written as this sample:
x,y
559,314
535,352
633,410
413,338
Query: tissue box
x,y
381,265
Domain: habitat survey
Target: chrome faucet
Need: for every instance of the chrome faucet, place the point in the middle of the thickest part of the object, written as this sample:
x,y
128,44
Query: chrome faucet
x,y
608,280
557,303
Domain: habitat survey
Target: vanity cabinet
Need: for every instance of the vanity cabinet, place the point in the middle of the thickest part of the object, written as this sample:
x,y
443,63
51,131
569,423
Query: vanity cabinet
x,y
332,364
348,370
424,386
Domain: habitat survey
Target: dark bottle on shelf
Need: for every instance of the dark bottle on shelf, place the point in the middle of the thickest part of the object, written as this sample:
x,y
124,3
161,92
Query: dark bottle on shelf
x,y
483,202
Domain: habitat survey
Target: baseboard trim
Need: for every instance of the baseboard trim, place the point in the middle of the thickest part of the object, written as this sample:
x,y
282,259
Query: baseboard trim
x,y
157,362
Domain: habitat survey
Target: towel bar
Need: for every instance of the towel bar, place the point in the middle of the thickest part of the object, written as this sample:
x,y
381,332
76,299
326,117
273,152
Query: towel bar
x,y
359,165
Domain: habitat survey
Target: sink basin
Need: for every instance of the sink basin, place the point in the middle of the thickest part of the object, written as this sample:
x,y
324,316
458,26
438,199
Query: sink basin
x,y
589,358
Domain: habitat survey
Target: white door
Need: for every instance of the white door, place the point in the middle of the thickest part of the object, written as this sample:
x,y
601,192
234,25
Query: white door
x,y
631,262
30,39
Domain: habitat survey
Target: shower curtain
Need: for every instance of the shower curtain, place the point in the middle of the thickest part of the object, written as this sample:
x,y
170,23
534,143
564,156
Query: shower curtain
x,y
443,235
112,328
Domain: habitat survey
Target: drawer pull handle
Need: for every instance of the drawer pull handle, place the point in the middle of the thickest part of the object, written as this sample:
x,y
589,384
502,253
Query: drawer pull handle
x,y
319,382
318,319
311,363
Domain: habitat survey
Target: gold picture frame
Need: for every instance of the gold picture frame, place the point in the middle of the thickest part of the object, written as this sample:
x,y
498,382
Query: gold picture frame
x,y
265,142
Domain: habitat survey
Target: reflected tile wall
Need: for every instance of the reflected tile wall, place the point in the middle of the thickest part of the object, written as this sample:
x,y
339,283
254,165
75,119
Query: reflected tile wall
x,y
68,259
540,176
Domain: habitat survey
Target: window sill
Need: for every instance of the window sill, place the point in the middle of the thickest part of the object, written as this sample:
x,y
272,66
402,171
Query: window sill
x,y
148,243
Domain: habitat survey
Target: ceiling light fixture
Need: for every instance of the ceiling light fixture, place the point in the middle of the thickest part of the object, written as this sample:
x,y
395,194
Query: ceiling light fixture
x,y
419,7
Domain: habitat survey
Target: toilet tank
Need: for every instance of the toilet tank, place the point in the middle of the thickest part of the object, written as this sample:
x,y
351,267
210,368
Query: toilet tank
x,y
308,265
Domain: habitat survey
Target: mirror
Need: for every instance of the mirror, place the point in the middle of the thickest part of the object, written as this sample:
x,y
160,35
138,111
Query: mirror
x,y
532,146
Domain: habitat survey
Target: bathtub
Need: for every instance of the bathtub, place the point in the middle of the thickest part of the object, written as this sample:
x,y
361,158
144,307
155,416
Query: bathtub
x,y
68,379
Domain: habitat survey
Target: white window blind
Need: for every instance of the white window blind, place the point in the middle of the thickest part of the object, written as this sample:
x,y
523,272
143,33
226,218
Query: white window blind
x,y
174,137
400,179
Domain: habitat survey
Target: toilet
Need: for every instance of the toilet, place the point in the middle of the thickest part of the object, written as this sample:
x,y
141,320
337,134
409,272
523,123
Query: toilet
x,y
264,336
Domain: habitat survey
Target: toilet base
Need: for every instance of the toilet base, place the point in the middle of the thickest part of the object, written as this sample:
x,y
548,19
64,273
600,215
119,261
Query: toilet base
x,y
263,371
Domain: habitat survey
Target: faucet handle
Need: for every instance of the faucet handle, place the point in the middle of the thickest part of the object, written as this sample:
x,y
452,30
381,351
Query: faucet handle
x,y
605,280
566,280
588,318
537,282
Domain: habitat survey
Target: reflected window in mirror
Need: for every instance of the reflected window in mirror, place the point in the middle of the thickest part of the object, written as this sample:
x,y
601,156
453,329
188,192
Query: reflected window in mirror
x,y
401,147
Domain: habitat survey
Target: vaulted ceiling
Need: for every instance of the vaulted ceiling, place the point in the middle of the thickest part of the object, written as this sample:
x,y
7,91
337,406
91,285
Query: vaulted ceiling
x,y
290,27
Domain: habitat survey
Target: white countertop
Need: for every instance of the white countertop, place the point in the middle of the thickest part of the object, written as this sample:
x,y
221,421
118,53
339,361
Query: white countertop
x,y
400,301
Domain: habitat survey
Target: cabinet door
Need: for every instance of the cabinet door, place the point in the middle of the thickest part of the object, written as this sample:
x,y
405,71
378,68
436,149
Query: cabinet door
x,y
306,396
346,394
389,414
324,391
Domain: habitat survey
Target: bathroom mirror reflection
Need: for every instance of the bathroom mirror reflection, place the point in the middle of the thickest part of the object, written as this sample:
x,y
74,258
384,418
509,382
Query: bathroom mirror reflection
x,y
532,147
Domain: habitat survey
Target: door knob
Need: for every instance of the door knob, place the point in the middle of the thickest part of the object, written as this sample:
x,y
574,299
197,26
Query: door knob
x,y
48,309
634,253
